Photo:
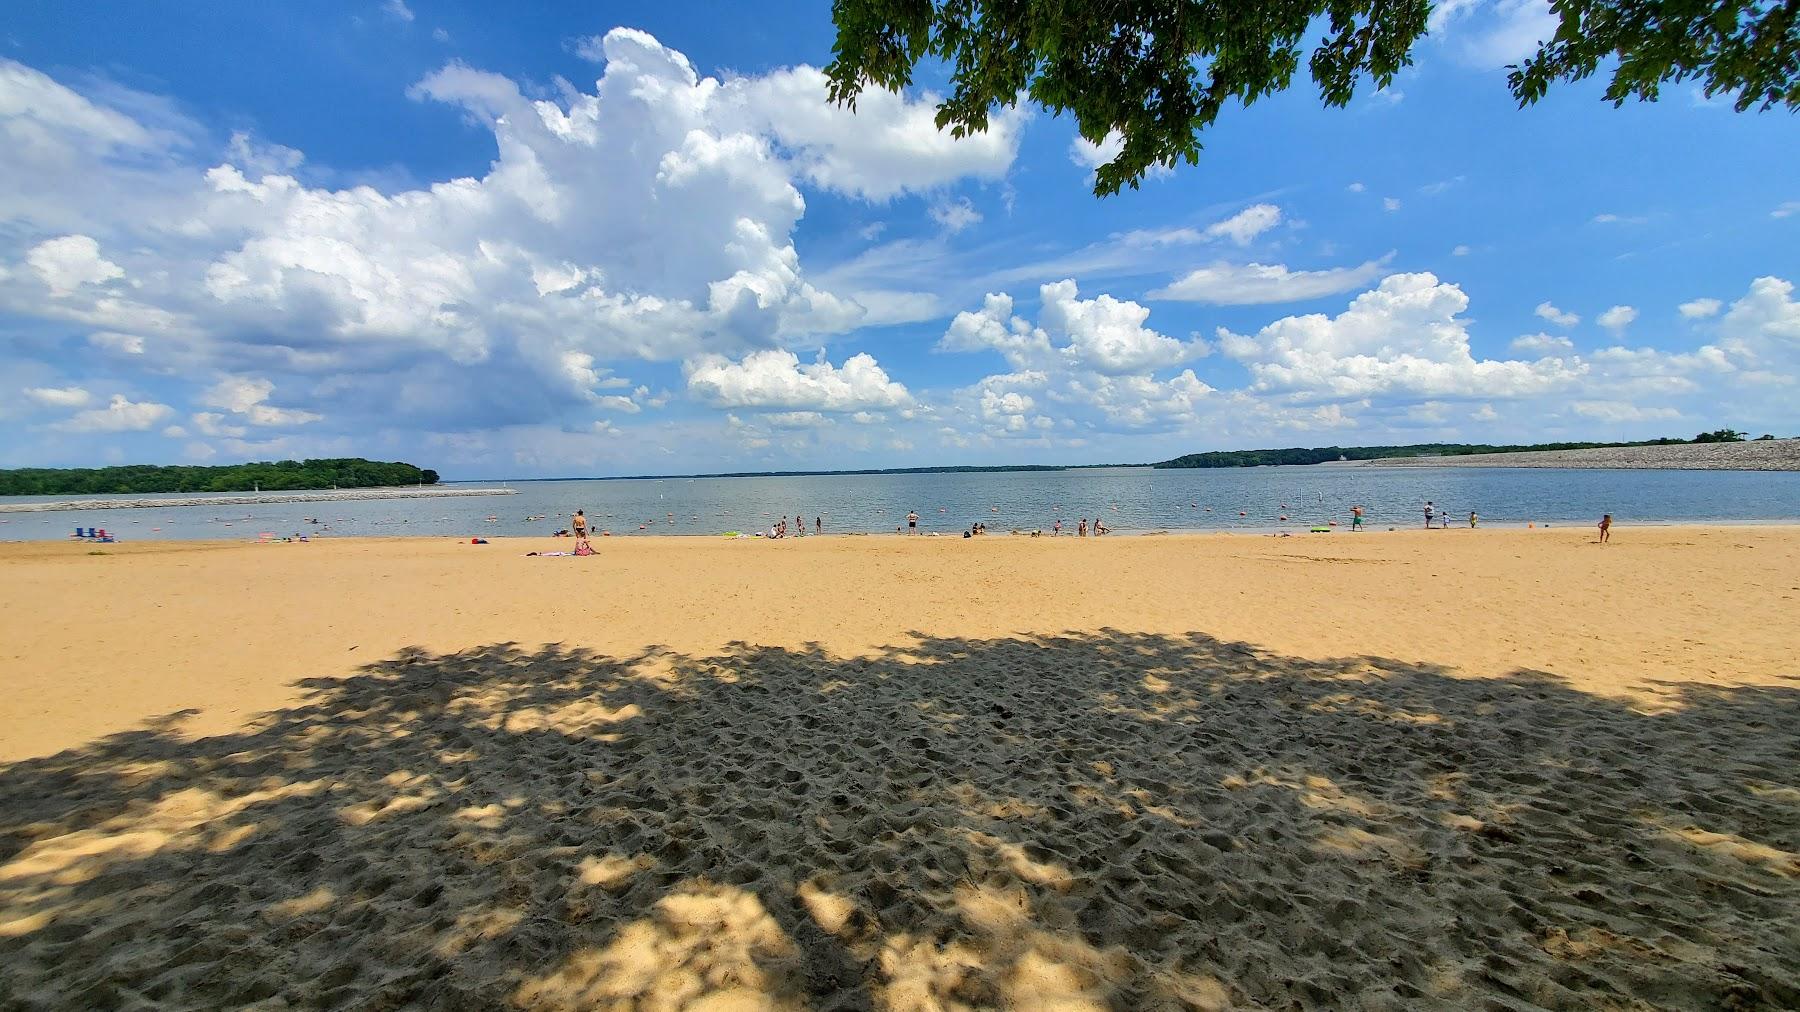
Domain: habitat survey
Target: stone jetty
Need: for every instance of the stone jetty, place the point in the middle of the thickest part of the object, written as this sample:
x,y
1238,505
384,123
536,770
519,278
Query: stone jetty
x,y
1754,455
334,495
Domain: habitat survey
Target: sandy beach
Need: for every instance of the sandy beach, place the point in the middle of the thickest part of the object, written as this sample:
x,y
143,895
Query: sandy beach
x,y
1452,769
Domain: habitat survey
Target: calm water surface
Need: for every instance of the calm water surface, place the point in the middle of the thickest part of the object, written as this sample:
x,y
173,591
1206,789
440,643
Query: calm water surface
x,y
1133,500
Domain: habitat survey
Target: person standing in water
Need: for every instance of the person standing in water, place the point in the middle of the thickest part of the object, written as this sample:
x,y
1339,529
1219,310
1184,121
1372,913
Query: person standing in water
x,y
578,523
1356,518
1081,528
818,525
912,522
1472,519
1430,511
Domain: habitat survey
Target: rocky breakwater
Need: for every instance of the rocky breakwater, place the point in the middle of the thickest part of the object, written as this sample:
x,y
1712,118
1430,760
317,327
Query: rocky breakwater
x,y
1754,455
333,495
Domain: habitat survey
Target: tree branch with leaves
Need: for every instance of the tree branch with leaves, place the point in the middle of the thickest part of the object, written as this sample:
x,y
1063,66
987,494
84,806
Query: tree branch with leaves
x,y
1157,74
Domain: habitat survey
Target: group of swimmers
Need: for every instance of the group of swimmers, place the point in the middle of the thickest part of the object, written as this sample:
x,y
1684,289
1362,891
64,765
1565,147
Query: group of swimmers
x,y
1081,528
1433,517
780,528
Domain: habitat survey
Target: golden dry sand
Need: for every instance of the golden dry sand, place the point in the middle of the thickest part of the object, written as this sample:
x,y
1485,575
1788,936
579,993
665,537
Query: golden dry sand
x,y
1453,769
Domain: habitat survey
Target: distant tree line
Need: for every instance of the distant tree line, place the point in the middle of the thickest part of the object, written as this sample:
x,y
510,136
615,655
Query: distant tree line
x,y
1325,454
269,476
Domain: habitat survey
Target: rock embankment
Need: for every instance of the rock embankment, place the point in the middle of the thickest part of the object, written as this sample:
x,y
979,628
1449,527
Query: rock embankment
x,y
334,495
1757,455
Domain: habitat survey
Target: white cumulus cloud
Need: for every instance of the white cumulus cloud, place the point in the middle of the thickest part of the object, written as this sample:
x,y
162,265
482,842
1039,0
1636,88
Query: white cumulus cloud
x,y
1542,345
1546,311
68,262
58,397
1230,284
1100,335
478,292
777,379
120,415
1617,318
955,215
1247,224
1404,337
244,396
1700,309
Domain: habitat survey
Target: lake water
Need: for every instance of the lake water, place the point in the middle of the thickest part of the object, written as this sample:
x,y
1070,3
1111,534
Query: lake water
x,y
1133,500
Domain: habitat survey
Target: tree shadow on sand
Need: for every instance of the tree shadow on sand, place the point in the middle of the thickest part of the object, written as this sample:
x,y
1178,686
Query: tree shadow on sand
x,y
1097,820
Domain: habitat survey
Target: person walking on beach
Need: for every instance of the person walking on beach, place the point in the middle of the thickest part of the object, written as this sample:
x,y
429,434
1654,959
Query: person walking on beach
x,y
579,524
1472,519
818,525
1430,511
1056,528
1356,518
1606,528
912,522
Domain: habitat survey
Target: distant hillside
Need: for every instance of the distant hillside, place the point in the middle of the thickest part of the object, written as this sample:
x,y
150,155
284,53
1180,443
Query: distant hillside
x,y
269,476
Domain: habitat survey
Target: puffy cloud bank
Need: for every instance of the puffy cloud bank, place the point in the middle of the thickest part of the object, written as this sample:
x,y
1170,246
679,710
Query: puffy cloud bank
x,y
649,219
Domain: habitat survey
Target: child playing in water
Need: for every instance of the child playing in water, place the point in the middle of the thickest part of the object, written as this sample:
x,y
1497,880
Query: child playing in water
x,y
1605,528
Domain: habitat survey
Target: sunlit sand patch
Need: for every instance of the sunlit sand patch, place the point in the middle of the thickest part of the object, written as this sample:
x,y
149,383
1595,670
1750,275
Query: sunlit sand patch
x,y
704,940
1355,704
1349,841
994,807
311,903
1313,791
365,812
1061,976
1772,792
919,974
1772,859
1039,872
831,911
612,871
188,819
992,909
473,927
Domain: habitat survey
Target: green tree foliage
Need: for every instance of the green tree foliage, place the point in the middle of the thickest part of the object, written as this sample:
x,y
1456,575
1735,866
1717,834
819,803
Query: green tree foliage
x,y
270,476
1324,454
1720,436
1159,72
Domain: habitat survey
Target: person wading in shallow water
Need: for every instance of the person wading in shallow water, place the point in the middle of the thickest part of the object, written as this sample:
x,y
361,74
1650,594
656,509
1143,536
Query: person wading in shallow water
x,y
579,524
912,522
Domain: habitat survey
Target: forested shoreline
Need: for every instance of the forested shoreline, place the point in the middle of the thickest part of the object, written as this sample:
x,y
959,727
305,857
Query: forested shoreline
x,y
267,476
1326,454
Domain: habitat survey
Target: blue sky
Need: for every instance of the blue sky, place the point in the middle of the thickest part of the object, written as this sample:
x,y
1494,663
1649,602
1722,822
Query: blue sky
x,y
569,241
